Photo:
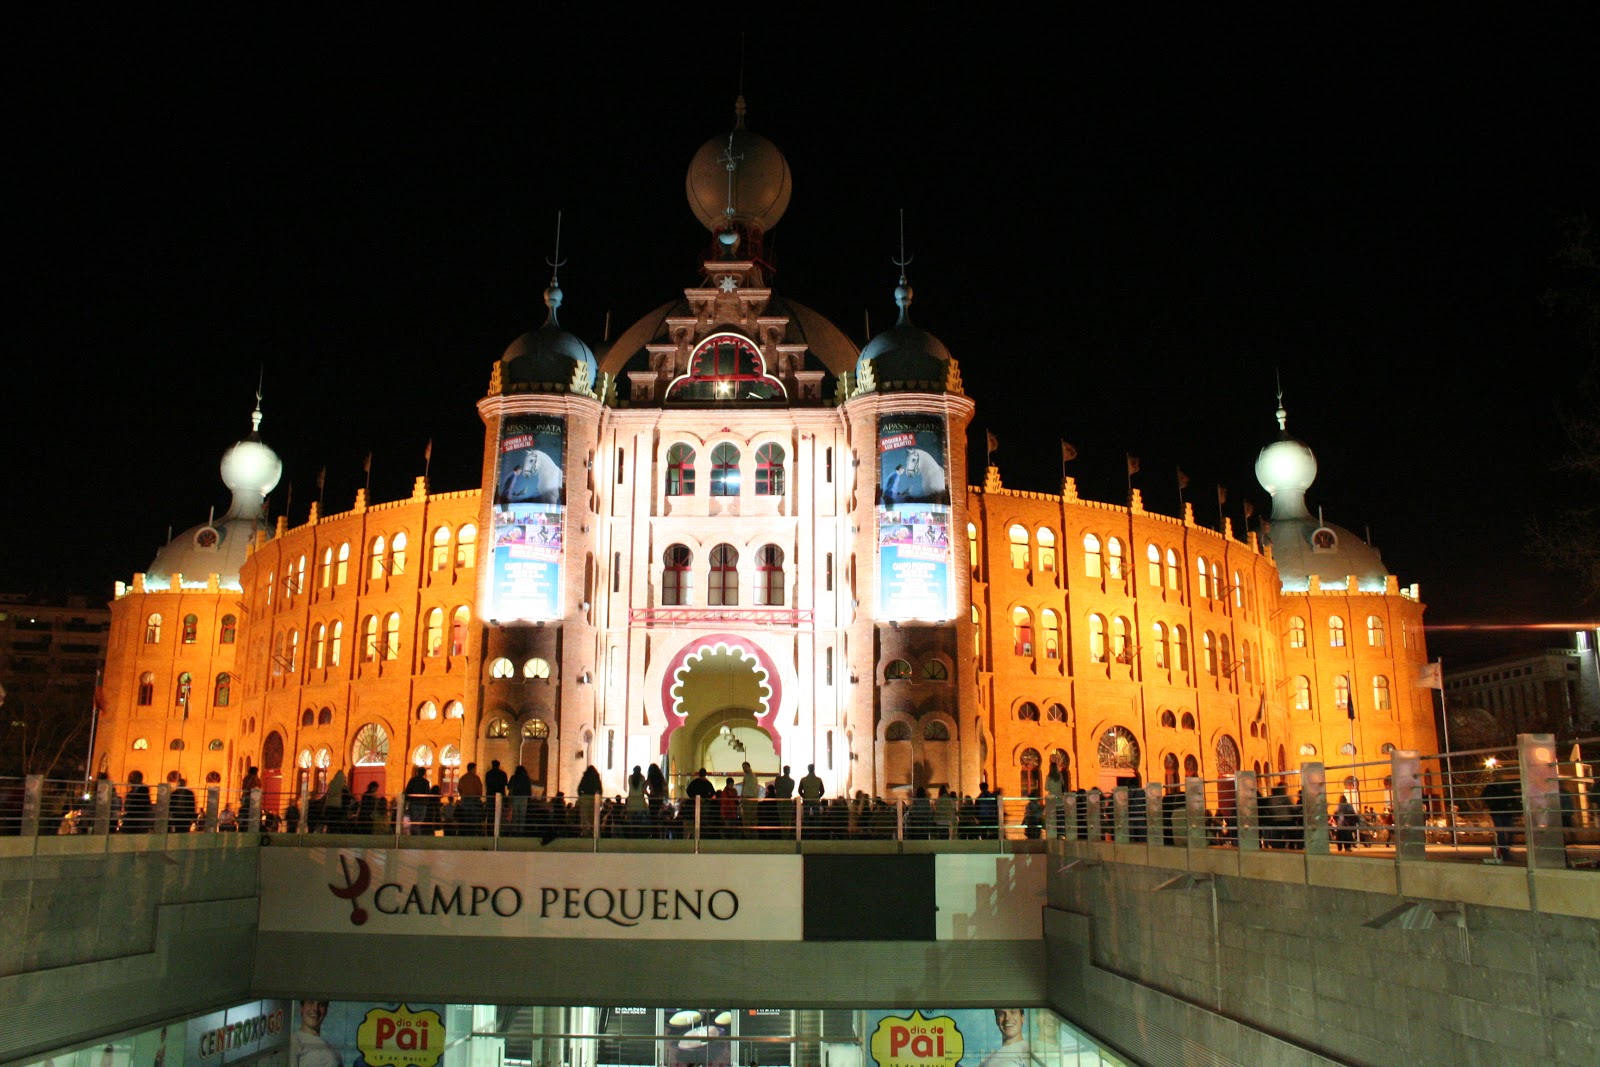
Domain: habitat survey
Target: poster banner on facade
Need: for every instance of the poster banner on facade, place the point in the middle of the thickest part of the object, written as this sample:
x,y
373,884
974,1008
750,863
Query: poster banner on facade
x,y
231,1036
529,512
510,894
345,1033
913,519
965,1037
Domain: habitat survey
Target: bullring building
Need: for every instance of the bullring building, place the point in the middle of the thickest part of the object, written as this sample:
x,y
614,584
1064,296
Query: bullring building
x,y
732,535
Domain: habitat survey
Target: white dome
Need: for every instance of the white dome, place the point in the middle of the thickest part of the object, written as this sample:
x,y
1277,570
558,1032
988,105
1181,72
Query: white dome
x,y
1286,469
251,469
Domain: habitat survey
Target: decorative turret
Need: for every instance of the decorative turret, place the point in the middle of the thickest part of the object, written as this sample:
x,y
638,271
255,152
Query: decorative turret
x,y
905,356
549,359
738,187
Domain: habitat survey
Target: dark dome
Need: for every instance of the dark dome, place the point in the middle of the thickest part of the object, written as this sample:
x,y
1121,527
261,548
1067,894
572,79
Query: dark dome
x,y
547,356
904,352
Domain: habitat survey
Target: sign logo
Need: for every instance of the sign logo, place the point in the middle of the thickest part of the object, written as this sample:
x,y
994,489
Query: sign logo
x,y
917,1042
400,1037
354,885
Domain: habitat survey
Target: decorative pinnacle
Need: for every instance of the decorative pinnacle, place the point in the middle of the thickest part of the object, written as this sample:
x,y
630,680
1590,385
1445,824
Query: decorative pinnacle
x,y
903,292
255,416
552,295
1283,416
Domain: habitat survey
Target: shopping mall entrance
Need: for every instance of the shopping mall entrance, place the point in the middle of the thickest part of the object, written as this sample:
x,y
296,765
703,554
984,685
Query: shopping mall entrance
x,y
725,700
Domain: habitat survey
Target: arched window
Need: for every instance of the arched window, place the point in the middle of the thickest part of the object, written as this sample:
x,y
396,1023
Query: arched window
x,y
723,588
934,730
1341,693
537,667
391,636
433,641
1047,549
934,670
1308,749
1169,719
680,470
152,630
141,744
295,581
1180,648
222,695
1191,766
1347,749
336,643
1238,590
1247,662
1227,757
769,576
501,667
422,756
185,684
427,711
319,646
1121,650
342,572
307,717
1380,693
897,731
897,670
1170,775
499,728
977,632
369,642
1114,560
467,546
725,470
1091,556
1218,592
1097,639
769,469
1224,655
675,576
1186,721
1028,712
535,729
1153,555
378,545
1021,631
325,717
272,577
229,631
458,630
371,746
1118,749
1202,579
147,689
397,554
1174,573
455,710
1374,632
1335,631
294,651
191,628
327,567
1056,713
1028,763
1302,693
1018,535
972,546
1297,632
1162,656
1051,625
439,558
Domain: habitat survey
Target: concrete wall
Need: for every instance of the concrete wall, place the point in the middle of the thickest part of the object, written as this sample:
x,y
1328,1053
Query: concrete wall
x,y
106,933
1155,960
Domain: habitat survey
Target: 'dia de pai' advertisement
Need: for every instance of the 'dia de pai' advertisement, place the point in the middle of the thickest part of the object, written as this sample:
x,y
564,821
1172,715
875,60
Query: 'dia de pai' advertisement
x,y
966,1037
364,1034
913,519
529,509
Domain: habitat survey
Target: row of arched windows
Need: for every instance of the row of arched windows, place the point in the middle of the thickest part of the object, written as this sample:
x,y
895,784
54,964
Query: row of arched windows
x,y
537,667
227,632
724,473
221,691
1111,639
1302,700
722,576
1106,560
1336,632
386,556
378,637
933,670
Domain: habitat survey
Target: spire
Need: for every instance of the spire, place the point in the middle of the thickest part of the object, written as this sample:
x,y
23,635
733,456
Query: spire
x,y
903,293
552,294
1283,416
255,416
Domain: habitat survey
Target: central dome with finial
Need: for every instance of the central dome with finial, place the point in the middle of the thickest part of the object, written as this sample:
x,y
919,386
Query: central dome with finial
x,y
904,356
548,357
740,178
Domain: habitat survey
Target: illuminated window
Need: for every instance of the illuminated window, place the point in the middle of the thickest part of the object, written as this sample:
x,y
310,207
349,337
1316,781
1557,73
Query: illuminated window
x,y
297,579
535,729
1297,632
229,631
1238,590
140,744
1047,549
1097,639
1091,556
391,636
1021,631
427,711
1180,648
1208,654
680,470
1218,592
336,644
369,643
675,576
397,554
769,470
458,630
191,628
294,650
1153,555
1302,693
439,558
499,728
1028,712
1202,579
342,572
1051,625
897,670
272,577
467,546
723,586
769,576
1308,749
433,642
1335,631
972,546
1224,655
537,667
152,630
1380,693
222,695
1227,757
422,756
455,710
501,667
1341,693
1114,559
1028,763
1173,571
725,470
1121,650
1159,649
147,689
327,567
1118,749
185,685
934,670
726,367
1374,632
1019,547
977,632
371,747
376,568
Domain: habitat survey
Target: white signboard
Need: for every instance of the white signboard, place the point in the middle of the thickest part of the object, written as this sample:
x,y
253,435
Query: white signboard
x,y
519,894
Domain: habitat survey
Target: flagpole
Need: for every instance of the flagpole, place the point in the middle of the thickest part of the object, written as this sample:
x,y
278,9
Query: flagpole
x,y
1449,776
94,721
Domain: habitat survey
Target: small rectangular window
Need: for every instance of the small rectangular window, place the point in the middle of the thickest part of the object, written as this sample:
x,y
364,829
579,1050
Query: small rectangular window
x,y
827,465
616,572
827,577
622,455
611,749
829,667
830,749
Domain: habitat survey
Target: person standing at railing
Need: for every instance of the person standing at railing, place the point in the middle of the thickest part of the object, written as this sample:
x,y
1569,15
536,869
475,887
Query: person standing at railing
x,y
749,800
181,808
589,790
1055,803
1344,824
988,811
945,815
469,811
655,791
520,789
333,803
811,790
136,806
728,809
367,810
1033,819
416,801
1504,800
1138,818
783,793
247,788
638,807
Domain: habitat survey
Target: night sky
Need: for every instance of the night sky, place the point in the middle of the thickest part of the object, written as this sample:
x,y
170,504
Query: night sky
x,y
1121,232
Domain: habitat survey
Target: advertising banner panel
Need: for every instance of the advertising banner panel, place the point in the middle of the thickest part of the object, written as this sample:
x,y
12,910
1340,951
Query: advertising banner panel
x,y
507,894
914,562
529,512
366,1034
965,1037
232,1036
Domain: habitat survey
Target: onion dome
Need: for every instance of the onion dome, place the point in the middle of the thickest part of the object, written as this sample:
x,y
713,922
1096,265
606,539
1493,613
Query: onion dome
x,y
1286,468
740,178
549,357
250,470
905,356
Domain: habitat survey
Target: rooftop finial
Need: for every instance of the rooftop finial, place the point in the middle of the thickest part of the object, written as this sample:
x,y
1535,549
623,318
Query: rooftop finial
x,y
902,292
738,102
552,295
1283,416
255,416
